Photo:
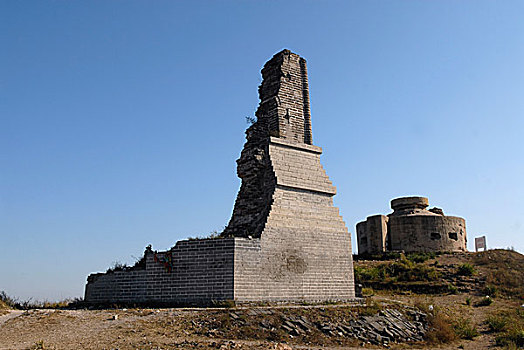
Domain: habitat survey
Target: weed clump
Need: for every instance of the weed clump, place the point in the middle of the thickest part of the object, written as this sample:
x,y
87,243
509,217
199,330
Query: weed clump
x,y
13,303
513,338
486,301
226,304
117,266
466,270
371,308
510,328
440,331
39,345
464,329
402,270
421,257
491,290
497,323
440,325
367,292
452,289
6,302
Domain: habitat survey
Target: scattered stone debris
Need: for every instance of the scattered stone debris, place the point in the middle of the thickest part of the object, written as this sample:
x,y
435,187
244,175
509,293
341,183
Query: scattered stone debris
x,y
338,325
281,346
388,326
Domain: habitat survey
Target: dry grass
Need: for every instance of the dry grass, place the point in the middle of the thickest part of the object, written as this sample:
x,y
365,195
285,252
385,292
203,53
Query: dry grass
x,y
441,330
3,306
450,319
509,327
440,325
40,345
8,302
255,326
466,270
504,270
464,328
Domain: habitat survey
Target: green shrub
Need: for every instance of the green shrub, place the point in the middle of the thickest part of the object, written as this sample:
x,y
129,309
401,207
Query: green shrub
x,y
117,266
491,290
391,255
375,273
466,270
464,329
452,289
468,301
420,257
226,304
367,292
486,301
371,308
403,270
497,323
513,338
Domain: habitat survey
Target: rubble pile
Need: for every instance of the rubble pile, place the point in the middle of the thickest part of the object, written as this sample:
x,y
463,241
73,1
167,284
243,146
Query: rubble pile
x,y
385,327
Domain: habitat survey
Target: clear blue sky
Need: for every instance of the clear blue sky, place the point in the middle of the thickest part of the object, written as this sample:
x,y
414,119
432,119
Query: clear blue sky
x,y
121,120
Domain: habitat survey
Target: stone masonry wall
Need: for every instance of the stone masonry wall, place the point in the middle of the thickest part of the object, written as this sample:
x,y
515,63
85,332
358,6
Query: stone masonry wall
x,y
304,252
285,240
372,235
284,98
411,228
194,271
300,247
284,113
118,286
428,233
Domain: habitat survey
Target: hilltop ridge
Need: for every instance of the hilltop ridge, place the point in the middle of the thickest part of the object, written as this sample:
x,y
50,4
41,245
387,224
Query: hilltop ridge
x,y
447,309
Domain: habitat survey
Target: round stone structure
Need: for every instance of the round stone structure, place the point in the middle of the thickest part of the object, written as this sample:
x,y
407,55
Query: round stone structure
x,y
411,228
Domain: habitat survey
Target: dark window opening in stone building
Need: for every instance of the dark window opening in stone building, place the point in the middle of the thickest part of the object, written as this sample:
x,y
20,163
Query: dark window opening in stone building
x,y
453,236
435,235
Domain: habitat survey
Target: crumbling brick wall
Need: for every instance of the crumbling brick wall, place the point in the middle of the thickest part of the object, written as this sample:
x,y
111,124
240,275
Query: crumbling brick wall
x,y
192,272
283,113
285,240
286,200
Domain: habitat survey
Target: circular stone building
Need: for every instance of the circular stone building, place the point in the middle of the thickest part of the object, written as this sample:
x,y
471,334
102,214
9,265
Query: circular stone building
x,y
411,228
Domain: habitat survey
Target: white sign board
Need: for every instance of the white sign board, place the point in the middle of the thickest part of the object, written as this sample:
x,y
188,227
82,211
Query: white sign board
x,y
480,243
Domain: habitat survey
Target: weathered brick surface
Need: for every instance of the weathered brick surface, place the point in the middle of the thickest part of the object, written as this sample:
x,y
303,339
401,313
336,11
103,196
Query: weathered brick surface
x,y
123,286
285,240
411,228
301,249
201,271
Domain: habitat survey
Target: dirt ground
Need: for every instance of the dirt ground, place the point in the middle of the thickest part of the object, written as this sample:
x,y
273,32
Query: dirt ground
x,y
215,328
132,329
179,328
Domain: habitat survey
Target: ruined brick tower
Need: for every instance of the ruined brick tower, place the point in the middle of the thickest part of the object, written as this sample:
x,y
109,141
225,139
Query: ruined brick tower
x,y
286,198
285,240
